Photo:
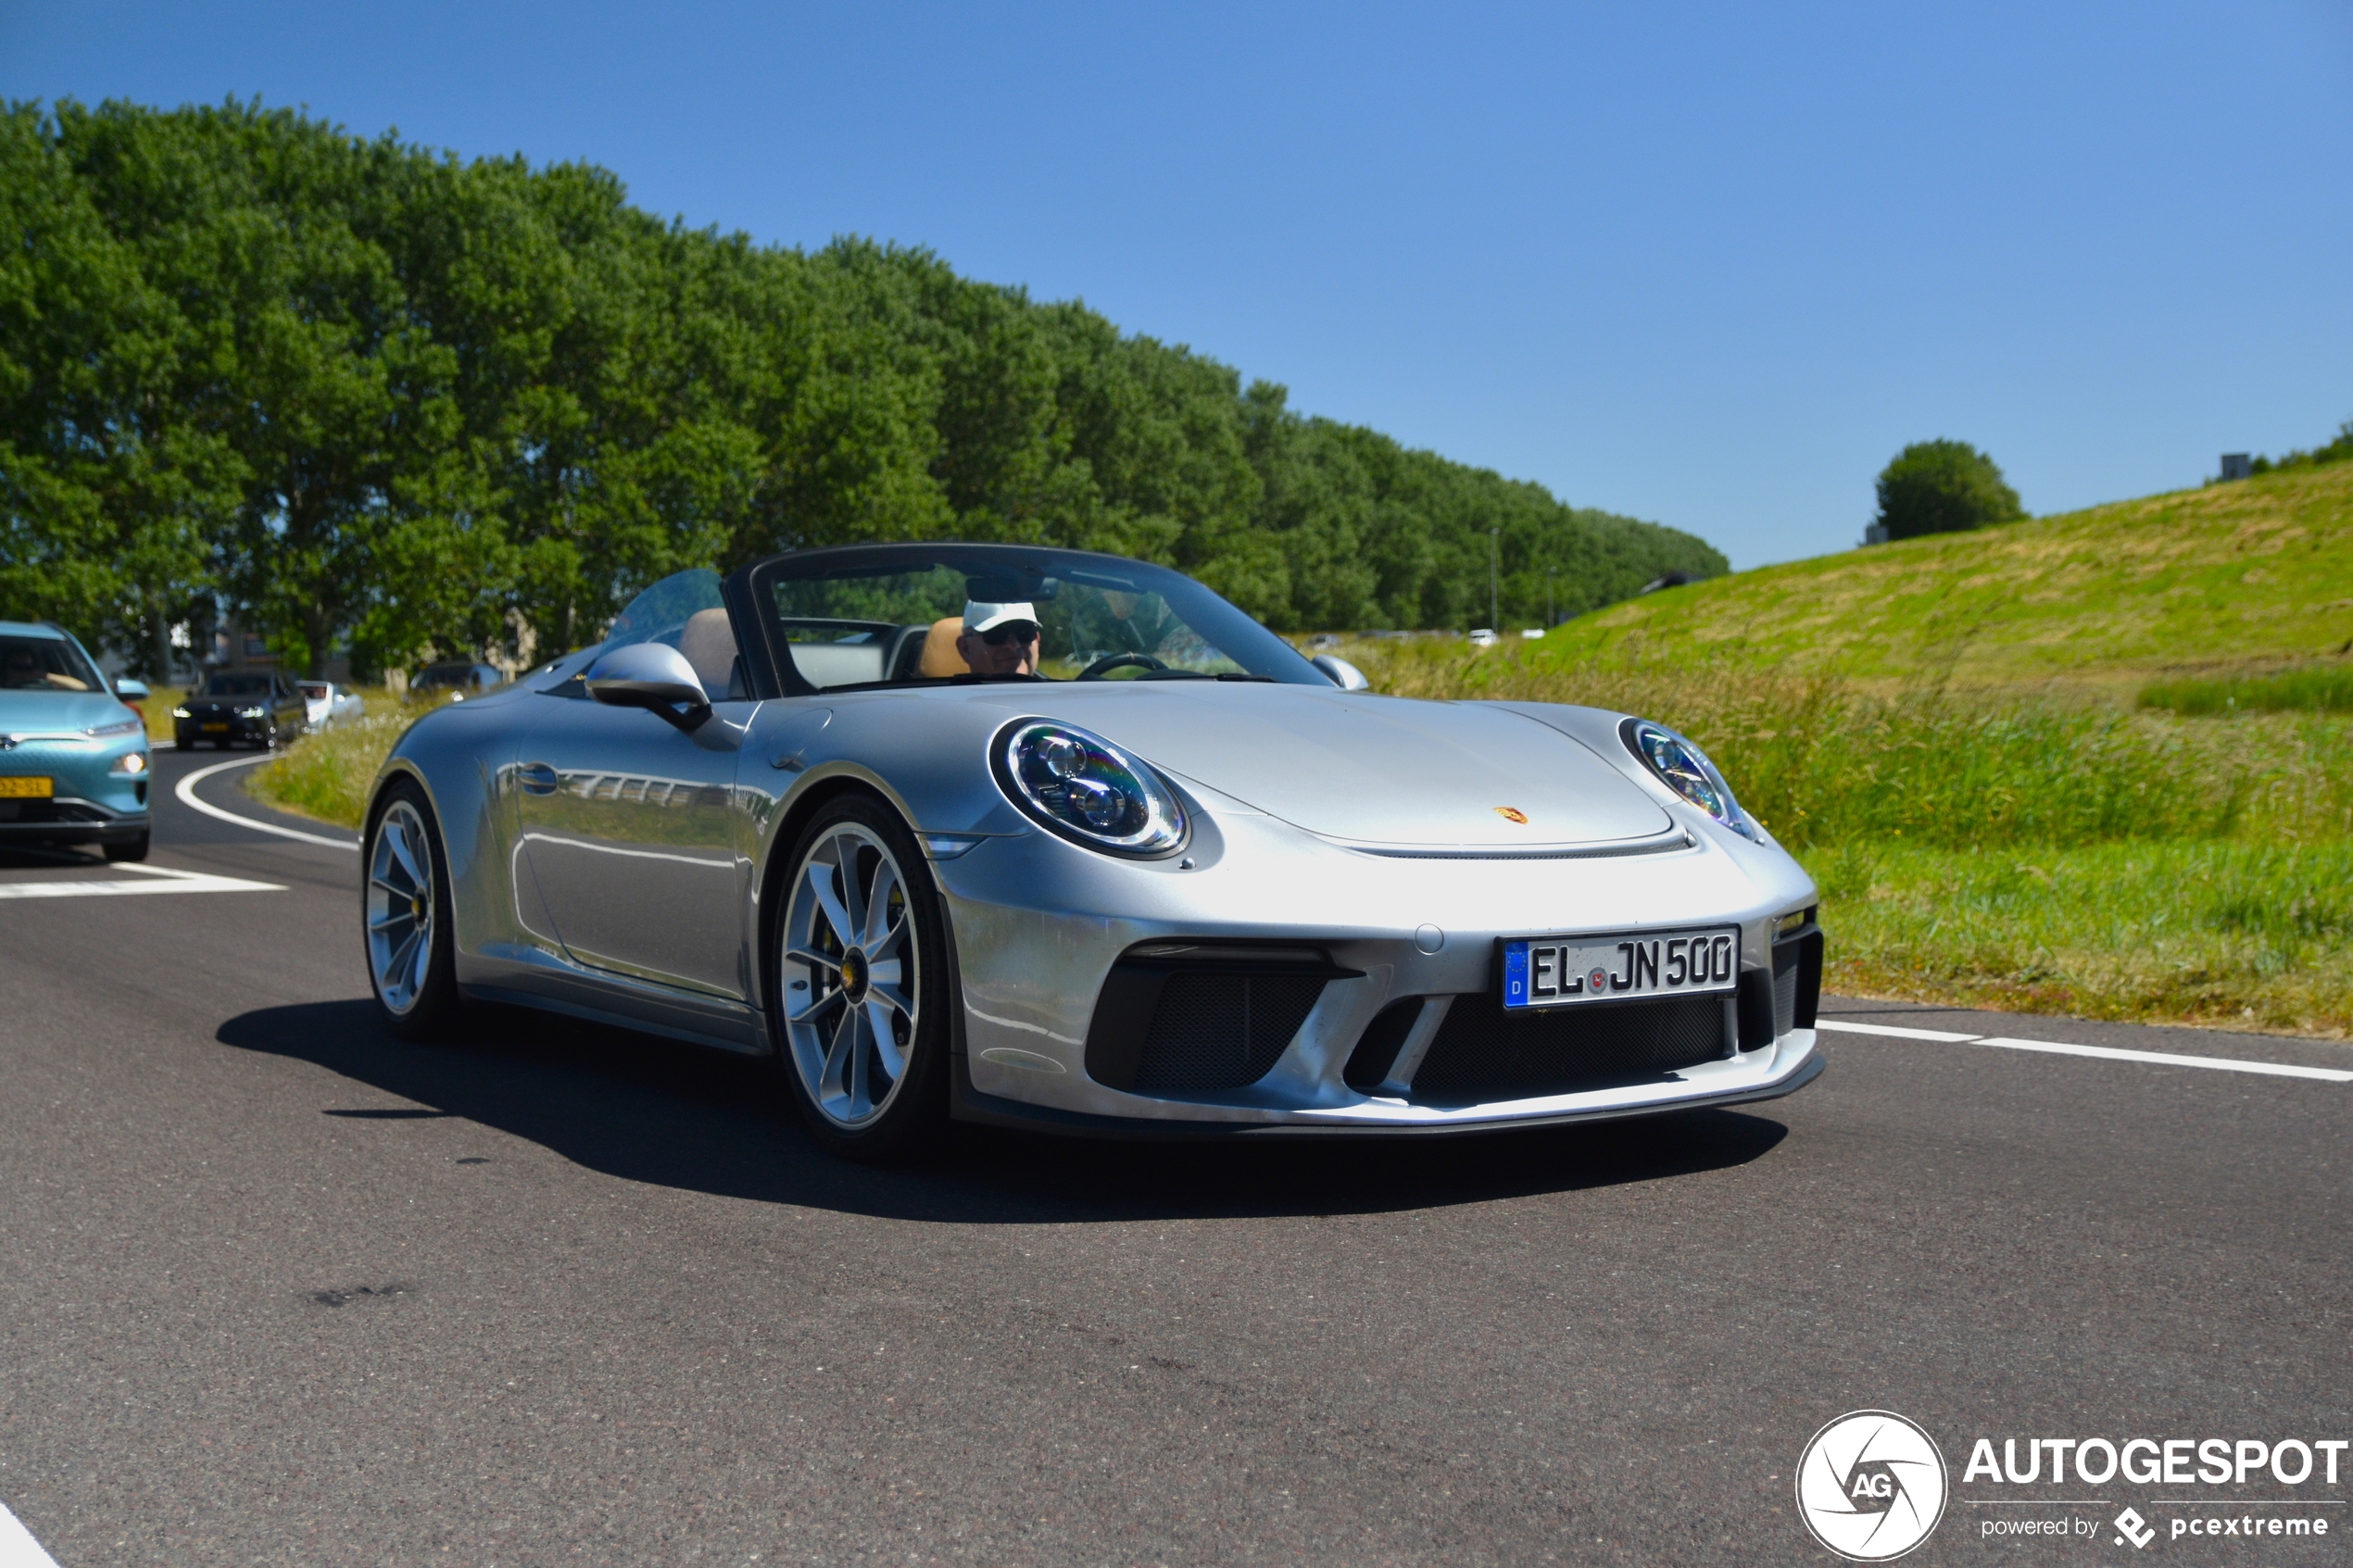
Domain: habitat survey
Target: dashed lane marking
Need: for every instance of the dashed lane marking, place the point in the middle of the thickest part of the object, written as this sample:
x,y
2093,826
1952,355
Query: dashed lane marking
x,y
160,880
186,791
2108,1053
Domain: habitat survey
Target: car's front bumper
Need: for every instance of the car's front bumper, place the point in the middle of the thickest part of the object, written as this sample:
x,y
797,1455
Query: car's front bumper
x,y
1034,954
222,731
92,798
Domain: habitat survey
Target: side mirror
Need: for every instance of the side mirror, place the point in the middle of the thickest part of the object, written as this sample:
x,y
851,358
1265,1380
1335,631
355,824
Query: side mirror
x,y
131,690
1341,674
653,676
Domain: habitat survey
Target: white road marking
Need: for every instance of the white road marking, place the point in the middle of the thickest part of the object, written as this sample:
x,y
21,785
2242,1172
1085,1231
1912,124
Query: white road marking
x,y
2167,1059
1889,1029
186,791
18,1548
2109,1053
163,881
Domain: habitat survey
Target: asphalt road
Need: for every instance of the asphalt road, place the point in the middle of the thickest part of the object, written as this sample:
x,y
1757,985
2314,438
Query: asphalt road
x,y
275,1288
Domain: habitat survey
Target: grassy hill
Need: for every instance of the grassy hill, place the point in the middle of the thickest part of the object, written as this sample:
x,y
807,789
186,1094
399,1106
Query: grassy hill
x,y
2244,576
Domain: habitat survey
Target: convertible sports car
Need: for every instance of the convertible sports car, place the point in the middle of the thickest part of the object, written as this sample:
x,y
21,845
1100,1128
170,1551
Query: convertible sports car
x,y
1162,875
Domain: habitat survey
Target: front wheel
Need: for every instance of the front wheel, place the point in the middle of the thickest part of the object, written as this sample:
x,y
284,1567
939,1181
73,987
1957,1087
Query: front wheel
x,y
862,985
130,850
411,948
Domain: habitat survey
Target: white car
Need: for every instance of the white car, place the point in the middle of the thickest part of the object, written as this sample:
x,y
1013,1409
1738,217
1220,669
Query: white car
x,y
322,703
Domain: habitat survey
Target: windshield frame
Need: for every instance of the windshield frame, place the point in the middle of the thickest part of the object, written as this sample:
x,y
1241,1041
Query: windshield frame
x,y
751,592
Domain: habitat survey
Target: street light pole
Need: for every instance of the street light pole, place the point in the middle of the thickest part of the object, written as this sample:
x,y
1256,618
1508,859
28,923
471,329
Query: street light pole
x,y
1495,579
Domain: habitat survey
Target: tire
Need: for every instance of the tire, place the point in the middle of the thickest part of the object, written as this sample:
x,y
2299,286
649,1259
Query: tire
x,y
136,849
406,930
848,1018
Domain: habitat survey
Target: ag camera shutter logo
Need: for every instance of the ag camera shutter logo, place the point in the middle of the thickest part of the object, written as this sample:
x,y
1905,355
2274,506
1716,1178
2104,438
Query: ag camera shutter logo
x,y
1870,1486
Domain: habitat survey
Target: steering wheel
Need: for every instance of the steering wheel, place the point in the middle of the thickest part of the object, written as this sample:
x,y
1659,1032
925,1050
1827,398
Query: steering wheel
x,y
1116,661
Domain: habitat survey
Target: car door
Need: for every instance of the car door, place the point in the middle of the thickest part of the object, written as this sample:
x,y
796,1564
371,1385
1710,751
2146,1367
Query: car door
x,y
629,825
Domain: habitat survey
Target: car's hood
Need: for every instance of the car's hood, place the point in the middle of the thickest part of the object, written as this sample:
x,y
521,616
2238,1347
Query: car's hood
x,y
1384,771
23,712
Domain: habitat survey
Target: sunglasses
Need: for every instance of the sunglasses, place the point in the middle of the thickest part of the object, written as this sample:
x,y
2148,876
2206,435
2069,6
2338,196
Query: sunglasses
x,y
1012,632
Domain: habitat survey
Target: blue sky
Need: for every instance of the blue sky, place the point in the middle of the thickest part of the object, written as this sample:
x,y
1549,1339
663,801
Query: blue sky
x,y
1710,265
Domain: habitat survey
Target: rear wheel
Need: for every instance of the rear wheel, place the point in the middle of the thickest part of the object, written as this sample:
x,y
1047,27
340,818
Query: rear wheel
x,y
404,906
861,1015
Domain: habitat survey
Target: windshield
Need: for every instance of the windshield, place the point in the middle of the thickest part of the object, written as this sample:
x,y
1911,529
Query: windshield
x,y
896,614
237,686
45,664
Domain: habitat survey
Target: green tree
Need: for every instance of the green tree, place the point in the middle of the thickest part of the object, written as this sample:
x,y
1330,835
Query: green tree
x,y
1943,487
112,483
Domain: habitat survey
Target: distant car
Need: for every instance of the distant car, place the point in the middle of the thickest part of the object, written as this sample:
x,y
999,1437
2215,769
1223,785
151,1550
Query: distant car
x,y
1483,637
323,704
241,707
73,758
458,675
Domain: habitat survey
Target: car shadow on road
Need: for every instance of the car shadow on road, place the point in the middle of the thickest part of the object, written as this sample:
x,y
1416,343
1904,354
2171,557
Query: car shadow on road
x,y
647,1109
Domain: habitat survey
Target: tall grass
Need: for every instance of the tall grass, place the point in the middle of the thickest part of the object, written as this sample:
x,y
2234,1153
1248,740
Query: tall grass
x,y
326,773
2324,688
2229,935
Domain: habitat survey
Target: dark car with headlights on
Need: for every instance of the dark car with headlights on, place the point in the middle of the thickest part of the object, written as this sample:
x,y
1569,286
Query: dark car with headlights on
x,y
241,707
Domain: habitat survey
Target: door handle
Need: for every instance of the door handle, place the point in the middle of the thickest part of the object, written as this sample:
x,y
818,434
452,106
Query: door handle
x,y
537,778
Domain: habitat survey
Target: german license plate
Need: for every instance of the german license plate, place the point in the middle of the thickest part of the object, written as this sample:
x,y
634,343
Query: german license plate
x,y
1556,972
210,728
21,789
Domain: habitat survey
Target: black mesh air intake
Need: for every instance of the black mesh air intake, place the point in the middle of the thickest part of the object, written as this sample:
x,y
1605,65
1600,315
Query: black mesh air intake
x,y
1483,1054
1183,1019
1221,1031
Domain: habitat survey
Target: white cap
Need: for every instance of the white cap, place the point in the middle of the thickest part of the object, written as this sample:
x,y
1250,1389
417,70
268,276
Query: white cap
x,y
979,617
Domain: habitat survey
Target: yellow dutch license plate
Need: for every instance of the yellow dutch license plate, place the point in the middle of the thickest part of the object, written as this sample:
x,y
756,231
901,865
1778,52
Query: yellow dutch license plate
x,y
210,728
26,789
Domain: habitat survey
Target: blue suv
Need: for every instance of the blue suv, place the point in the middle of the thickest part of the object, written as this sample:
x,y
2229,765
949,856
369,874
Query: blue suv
x,y
73,760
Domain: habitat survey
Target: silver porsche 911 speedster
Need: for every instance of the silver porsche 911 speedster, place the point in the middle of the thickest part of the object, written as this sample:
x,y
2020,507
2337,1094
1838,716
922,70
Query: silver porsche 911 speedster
x,y
1045,838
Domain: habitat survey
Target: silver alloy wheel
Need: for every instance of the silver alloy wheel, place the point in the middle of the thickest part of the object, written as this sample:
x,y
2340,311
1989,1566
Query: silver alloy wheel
x,y
850,992
400,908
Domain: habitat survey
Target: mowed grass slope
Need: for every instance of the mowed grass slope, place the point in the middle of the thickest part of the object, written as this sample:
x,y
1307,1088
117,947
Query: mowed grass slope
x,y
2247,576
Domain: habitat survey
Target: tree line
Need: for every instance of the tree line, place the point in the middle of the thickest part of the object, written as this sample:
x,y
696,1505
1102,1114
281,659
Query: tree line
x,y
378,400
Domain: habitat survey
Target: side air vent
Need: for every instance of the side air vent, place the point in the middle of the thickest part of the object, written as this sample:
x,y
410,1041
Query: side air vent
x,y
1772,1006
1377,1048
1182,1018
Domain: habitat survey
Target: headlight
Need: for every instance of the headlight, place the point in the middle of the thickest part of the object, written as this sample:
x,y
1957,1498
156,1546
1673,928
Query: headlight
x,y
101,731
253,712
180,713
129,763
1685,769
1088,790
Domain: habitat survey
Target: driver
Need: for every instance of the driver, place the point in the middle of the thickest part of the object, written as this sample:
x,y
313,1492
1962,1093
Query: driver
x,y
1000,639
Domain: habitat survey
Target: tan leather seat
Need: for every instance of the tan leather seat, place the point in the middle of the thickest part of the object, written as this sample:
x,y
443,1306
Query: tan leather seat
x,y
708,643
940,659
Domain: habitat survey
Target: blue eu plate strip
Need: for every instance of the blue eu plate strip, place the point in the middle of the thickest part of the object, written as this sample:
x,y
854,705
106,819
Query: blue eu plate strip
x,y
1515,975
